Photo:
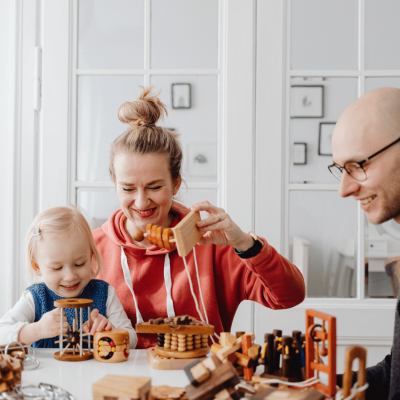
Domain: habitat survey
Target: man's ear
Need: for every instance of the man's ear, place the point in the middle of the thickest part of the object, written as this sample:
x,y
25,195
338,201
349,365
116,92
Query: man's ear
x,y
177,185
35,267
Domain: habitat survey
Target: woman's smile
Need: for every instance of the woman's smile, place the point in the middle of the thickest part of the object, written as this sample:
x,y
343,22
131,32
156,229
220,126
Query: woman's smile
x,y
145,213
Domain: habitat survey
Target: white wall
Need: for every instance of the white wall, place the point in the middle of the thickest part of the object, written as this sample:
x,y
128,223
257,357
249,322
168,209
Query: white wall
x,y
6,135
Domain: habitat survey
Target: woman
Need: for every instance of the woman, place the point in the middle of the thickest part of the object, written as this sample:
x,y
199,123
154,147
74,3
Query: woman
x,y
228,267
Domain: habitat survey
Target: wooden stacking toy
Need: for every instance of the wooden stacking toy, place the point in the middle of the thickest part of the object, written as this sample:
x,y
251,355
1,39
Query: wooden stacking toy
x,y
180,340
74,338
183,236
111,346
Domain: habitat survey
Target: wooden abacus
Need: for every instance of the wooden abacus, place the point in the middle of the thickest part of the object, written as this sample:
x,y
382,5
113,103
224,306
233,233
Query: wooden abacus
x,y
183,236
181,338
74,338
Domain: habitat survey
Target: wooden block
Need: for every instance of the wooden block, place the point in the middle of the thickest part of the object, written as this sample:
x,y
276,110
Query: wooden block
x,y
200,372
187,234
221,378
232,358
254,351
230,340
289,394
246,345
225,351
223,395
167,393
222,338
123,387
242,360
212,362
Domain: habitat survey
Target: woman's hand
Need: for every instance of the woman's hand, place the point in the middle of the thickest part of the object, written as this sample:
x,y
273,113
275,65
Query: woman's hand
x,y
50,323
219,229
98,323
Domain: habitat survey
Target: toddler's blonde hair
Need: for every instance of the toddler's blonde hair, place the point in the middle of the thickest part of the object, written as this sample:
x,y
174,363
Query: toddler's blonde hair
x,y
59,220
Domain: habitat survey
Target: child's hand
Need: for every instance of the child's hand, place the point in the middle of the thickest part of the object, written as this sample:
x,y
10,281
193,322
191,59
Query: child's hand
x,y
97,323
50,323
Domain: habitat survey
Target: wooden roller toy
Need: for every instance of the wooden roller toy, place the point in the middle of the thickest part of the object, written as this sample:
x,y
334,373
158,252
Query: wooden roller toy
x,y
182,237
111,346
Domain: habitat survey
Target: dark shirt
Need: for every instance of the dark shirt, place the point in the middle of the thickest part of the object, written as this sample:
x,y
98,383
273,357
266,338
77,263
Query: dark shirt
x,y
384,378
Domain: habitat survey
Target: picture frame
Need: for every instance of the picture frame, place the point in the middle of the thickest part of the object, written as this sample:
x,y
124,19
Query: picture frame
x,y
202,160
325,138
300,153
181,96
307,101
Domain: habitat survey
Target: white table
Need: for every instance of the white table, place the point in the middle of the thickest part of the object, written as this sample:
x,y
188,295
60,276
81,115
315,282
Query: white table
x,y
78,377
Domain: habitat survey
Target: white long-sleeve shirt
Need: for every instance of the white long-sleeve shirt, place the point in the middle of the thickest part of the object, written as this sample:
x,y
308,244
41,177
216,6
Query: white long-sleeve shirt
x,y
24,313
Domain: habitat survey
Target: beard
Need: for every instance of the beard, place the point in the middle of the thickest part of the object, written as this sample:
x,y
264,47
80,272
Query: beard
x,y
391,204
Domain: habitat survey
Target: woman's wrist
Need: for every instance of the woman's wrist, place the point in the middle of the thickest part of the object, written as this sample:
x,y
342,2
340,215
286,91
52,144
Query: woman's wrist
x,y
29,333
245,244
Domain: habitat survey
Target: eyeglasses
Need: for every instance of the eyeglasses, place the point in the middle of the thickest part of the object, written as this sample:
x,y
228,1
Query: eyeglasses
x,y
355,169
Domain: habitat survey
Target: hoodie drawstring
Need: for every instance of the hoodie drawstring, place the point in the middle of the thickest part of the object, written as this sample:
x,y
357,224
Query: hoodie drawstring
x,y
168,286
128,280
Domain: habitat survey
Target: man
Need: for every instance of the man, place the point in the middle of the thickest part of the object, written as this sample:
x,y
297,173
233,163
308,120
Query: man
x,y
366,154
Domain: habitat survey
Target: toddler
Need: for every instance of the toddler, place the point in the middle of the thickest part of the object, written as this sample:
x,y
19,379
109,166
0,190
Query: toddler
x,y
60,250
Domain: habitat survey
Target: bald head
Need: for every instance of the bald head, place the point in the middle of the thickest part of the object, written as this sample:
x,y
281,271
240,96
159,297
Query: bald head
x,y
367,125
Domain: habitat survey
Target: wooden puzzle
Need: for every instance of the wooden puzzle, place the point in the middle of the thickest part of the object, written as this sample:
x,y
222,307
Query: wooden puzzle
x,y
181,337
353,352
211,379
10,372
111,346
315,333
119,387
183,236
74,337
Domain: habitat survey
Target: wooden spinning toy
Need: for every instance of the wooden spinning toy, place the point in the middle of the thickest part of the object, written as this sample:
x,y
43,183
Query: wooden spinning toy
x,y
315,334
183,236
74,337
111,346
180,339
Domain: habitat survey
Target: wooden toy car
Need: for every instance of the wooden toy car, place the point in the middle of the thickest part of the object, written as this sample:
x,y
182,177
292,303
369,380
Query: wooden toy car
x,y
111,346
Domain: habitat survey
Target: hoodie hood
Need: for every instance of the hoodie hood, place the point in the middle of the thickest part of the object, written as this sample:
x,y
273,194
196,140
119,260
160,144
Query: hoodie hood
x,y
114,228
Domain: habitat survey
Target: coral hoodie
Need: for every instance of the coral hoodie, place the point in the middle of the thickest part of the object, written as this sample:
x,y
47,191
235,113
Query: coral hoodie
x,y
225,278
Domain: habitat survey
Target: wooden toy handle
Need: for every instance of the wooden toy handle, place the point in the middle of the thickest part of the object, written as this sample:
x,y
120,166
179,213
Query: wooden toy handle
x,y
353,352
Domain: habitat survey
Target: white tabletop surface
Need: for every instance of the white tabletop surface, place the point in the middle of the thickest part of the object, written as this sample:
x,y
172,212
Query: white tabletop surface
x,y
78,377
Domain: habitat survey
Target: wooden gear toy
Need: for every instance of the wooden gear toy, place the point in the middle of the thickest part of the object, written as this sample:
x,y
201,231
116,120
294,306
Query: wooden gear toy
x,y
74,337
111,346
180,340
183,236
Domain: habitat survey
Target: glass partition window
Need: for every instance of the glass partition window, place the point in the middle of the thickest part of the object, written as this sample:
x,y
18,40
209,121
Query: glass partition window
x,y
122,46
338,50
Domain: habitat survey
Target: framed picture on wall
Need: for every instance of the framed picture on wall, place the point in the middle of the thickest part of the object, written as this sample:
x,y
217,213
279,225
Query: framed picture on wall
x,y
300,153
181,95
307,101
325,138
202,160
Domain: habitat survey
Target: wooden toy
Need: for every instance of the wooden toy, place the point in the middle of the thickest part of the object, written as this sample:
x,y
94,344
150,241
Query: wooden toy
x,y
211,379
10,372
278,394
183,236
118,387
353,352
248,372
74,338
277,347
167,393
313,337
181,337
111,346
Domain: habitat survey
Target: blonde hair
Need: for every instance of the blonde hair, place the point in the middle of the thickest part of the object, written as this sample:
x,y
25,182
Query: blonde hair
x,y
59,220
144,136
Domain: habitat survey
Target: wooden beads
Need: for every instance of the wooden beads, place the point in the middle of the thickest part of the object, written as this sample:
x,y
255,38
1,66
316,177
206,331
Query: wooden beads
x,y
156,235
181,342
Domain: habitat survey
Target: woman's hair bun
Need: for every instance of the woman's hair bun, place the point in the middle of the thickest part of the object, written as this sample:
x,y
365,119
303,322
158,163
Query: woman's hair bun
x,y
145,111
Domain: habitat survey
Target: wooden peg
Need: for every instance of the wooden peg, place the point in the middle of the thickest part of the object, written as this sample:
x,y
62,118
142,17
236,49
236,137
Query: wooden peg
x,y
246,344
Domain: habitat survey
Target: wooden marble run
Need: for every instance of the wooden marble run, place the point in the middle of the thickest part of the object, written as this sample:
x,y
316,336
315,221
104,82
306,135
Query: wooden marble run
x,y
179,338
111,346
74,337
183,236
316,333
